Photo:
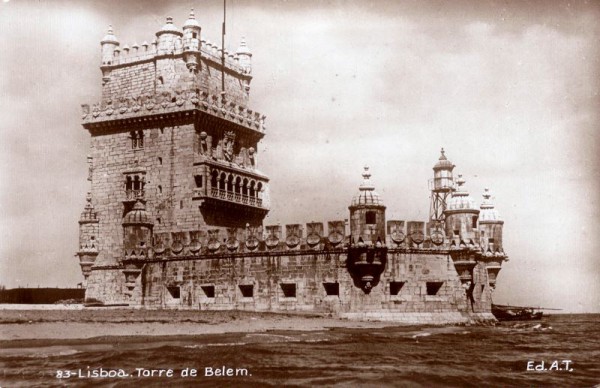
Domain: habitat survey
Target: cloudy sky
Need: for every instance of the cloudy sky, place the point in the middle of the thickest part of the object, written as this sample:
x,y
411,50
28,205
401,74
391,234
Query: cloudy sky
x,y
510,89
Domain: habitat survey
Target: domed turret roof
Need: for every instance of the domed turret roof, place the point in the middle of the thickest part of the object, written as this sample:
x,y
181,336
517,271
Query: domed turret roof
x,y
488,211
461,200
443,163
110,37
169,27
243,49
191,21
137,216
367,196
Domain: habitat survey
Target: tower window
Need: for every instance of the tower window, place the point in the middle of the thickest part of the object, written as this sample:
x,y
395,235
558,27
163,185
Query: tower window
x,y
332,288
433,287
198,180
474,222
491,240
247,290
209,291
289,290
159,189
371,218
194,35
137,139
134,186
159,161
395,287
175,292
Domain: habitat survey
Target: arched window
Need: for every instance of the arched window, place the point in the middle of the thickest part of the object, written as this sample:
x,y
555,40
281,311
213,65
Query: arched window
x,y
245,187
222,181
238,183
251,191
137,139
258,189
213,179
230,183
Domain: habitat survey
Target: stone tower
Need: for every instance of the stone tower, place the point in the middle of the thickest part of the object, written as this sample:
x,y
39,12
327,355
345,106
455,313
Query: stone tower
x,y
168,143
490,226
367,252
461,216
442,188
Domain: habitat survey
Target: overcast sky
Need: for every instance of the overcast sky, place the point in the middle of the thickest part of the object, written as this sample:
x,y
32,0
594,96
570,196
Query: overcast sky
x,y
510,89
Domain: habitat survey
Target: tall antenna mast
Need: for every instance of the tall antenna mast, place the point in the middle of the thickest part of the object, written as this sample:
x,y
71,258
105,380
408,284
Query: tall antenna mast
x,y
223,50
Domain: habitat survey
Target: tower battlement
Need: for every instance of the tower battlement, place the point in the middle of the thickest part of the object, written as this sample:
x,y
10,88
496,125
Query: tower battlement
x,y
175,62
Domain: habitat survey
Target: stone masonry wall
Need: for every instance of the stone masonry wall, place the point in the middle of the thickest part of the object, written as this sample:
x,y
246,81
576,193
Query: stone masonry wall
x,y
165,162
169,75
307,272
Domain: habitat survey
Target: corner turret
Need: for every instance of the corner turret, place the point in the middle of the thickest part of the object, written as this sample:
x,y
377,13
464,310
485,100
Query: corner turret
x,y
245,56
191,42
461,216
109,44
88,243
137,238
367,214
367,253
490,225
169,38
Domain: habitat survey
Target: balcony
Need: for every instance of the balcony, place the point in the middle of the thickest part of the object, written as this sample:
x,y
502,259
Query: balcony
x,y
134,195
236,197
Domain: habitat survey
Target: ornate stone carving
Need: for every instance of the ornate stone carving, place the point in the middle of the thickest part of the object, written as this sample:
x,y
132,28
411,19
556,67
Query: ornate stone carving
x,y
227,146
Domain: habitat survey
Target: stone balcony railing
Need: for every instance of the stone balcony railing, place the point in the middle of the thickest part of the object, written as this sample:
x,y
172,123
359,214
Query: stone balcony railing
x,y
147,52
234,197
133,195
177,101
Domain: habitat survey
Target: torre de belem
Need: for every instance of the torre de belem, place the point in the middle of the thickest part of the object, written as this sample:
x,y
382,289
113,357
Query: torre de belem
x,y
174,217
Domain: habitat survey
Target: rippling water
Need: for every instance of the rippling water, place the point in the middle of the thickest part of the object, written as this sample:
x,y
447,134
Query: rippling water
x,y
398,356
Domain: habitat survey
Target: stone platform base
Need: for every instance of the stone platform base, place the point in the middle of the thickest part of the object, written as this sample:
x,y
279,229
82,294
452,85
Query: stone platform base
x,y
421,318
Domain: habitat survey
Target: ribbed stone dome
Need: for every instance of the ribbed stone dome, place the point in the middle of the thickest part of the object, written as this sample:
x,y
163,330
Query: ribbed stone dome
x,y
110,37
137,216
366,192
169,27
488,211
443,163
191,21
461,200
243,49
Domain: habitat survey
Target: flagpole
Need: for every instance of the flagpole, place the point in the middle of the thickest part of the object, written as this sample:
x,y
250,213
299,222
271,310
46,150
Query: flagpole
x,y
223,50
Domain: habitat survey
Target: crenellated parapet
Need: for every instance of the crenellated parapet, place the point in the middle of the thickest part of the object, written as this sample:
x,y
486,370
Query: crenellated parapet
x,y
171,42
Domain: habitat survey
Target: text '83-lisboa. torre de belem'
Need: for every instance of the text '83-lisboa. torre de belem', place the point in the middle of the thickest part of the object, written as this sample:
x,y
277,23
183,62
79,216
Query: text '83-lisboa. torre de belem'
x,y
174,216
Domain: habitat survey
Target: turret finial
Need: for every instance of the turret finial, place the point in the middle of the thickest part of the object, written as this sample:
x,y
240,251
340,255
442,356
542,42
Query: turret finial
x,y
192,16
443,155
366,174
486,194
243,48
110,29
